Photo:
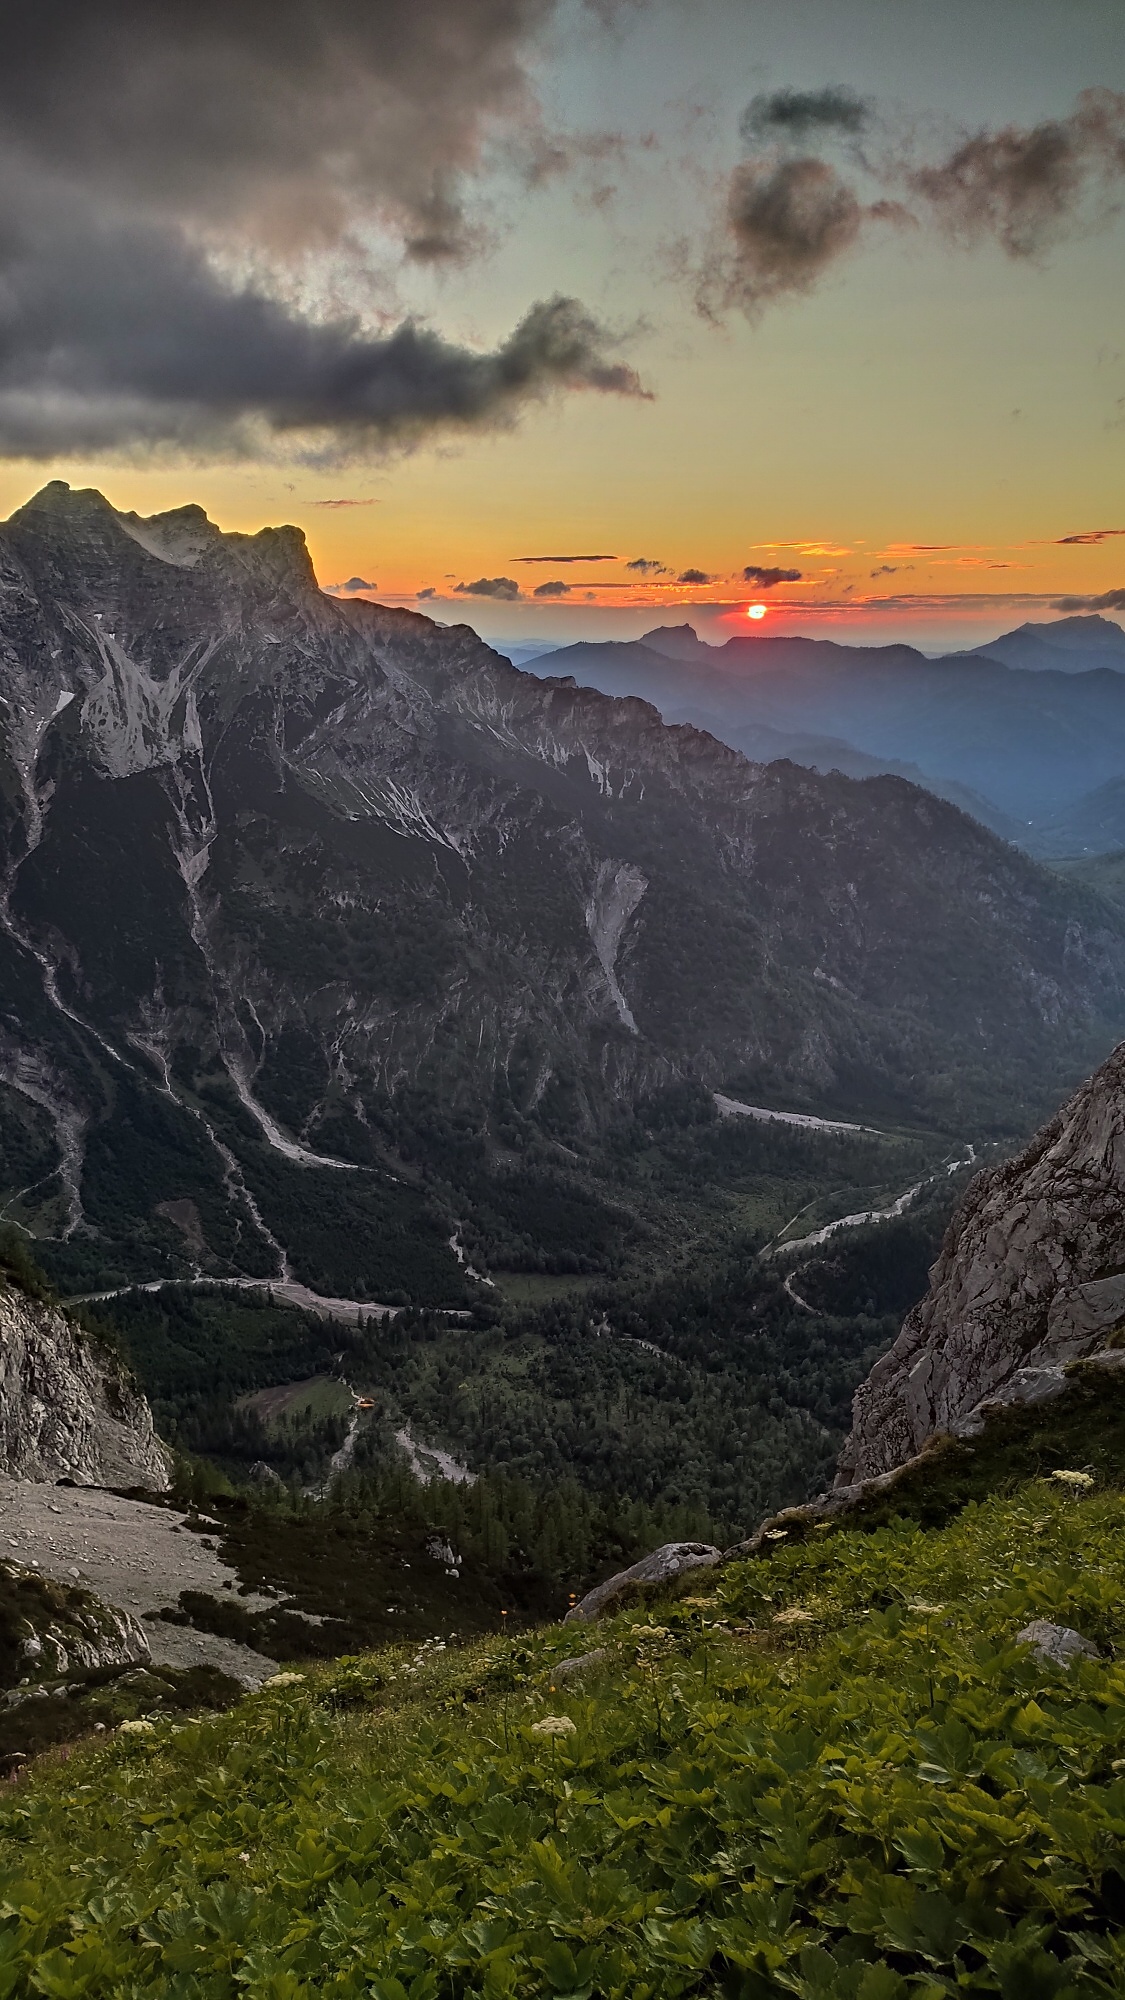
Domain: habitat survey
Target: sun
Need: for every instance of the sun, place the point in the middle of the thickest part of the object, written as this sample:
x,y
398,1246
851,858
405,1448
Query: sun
x,y
755,610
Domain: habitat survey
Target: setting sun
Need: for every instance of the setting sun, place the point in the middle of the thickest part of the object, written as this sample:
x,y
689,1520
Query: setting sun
x,y
755,610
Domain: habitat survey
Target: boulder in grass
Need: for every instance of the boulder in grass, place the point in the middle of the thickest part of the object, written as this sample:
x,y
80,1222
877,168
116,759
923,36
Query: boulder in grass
x,y
582,1663
1056,1645
660,1567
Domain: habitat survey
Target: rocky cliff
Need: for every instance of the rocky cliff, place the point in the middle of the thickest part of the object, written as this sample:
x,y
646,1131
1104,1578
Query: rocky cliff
x,y
68,1409
1031,1276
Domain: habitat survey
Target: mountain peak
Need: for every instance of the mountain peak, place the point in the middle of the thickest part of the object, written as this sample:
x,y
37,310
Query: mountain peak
x,y
677,642
1087,629
1066,645
182,536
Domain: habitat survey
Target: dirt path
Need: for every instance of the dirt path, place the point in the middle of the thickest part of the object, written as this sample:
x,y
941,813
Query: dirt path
x,y
866,1215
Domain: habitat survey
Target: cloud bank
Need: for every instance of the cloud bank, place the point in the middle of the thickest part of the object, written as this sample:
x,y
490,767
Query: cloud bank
x,y
1107,600
165,173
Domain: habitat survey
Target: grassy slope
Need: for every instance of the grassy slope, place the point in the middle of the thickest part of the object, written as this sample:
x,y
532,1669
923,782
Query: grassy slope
x,y
829,1773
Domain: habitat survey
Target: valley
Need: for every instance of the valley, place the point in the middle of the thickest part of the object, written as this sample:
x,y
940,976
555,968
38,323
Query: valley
x,y
382,1013
562,1000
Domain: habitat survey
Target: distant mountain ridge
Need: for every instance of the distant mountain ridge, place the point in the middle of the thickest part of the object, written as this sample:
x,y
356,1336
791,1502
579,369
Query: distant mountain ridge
x,y
1064,645
318,916
1017,740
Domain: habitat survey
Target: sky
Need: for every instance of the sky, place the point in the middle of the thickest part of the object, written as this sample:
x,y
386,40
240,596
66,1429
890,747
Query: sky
x,y
566,318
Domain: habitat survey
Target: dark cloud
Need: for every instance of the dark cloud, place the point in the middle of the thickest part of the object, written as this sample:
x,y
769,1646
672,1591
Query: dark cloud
x,y
791,213
343,503
429,591
647,566
766,578
117,337
491,586
1092,535
798,116
693,576
562,559
275,116
886,569
1108,600
357,583
551,590
787,221
165,169
1026,187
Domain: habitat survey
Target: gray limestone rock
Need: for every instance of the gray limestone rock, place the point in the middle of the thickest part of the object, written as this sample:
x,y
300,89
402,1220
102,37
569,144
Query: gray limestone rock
x,y
64,1628
262,1474
1031,1276
1056,1645
660,1567
68,1408
582,1663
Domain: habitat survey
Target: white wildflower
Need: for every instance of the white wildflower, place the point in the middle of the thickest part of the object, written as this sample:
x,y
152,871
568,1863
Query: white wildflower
x,y
554,1725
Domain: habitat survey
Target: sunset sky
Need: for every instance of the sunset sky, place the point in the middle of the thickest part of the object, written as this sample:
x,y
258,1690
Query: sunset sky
x,y
844,285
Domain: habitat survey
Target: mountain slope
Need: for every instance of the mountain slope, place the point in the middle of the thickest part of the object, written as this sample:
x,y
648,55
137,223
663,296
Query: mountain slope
x,y
843,1771
317,917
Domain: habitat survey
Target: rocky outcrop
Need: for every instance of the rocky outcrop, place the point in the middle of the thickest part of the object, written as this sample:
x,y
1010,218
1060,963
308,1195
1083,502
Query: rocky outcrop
x,y
662,1566
1031,1276
68,1408
53,1629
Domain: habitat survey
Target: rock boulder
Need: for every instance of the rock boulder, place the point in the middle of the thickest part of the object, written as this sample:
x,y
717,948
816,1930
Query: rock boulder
x,y
660,1567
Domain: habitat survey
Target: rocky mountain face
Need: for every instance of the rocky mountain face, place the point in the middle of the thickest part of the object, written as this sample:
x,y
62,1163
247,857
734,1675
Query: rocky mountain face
x,y
1031,1276
68,1409
316,915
